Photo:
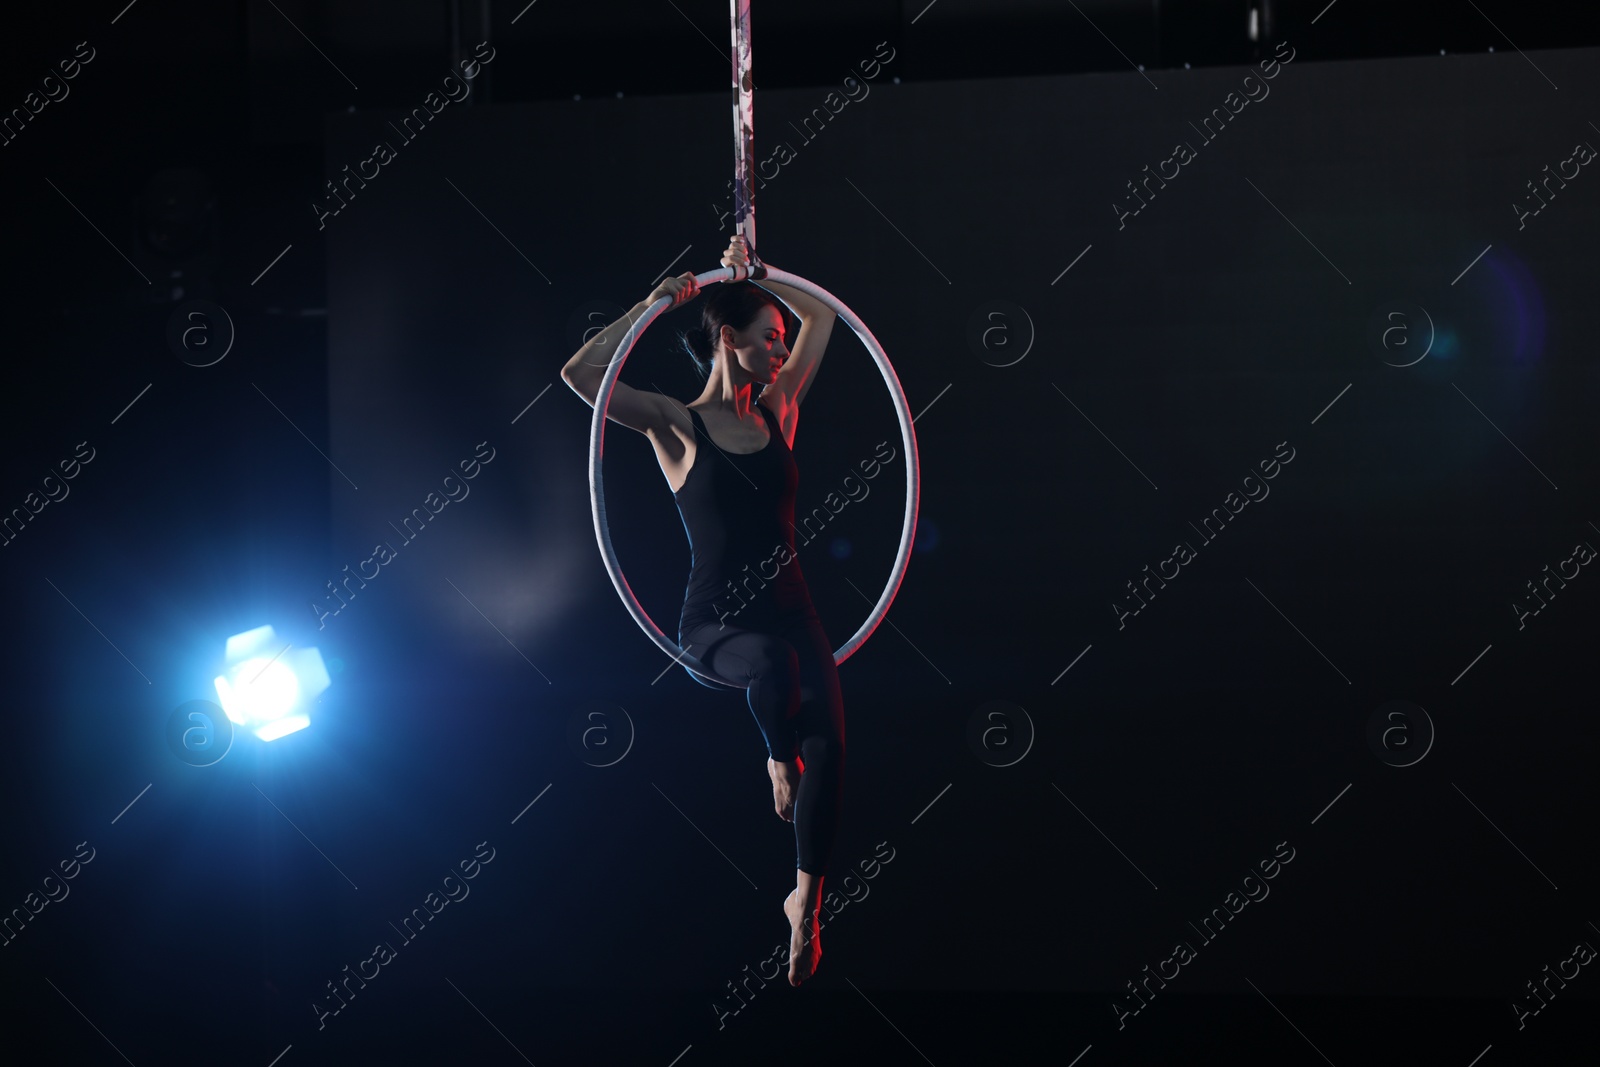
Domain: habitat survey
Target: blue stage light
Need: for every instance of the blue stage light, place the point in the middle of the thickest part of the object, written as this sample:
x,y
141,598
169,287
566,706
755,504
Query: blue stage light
x,y
267,688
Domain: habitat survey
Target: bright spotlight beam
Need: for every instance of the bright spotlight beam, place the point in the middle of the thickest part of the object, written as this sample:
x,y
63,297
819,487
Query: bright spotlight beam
x,y
269,695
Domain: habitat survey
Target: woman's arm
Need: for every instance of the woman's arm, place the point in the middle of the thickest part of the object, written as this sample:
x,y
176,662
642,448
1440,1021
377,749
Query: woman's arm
x,y
647,412
804,305
809,344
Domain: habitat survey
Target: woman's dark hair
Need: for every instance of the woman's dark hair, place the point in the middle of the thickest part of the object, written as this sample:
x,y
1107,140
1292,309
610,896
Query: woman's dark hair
x,y
733,304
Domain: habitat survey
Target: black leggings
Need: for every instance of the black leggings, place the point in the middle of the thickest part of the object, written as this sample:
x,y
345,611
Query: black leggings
x,y
792,685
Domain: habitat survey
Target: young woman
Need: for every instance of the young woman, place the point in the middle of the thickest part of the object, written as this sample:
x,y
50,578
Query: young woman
x,y
726,457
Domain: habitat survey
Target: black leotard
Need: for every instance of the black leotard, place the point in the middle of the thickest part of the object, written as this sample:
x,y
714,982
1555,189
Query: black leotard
x,y
738,510
747,615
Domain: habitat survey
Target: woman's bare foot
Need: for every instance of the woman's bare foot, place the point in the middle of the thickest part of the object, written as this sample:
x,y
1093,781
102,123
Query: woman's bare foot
x,y
805,945
785,783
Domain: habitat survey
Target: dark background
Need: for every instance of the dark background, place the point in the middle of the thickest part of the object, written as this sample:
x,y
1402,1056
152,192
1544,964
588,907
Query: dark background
x,y
1233,313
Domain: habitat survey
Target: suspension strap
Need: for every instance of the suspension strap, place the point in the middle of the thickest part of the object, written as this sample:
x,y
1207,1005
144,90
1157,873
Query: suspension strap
x,y
744,151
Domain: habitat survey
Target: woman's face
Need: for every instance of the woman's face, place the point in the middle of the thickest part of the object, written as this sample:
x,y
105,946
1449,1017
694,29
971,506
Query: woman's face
x,y
759,349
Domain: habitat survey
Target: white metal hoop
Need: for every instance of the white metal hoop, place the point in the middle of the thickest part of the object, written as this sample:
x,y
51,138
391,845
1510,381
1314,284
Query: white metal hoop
x,y
699,671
